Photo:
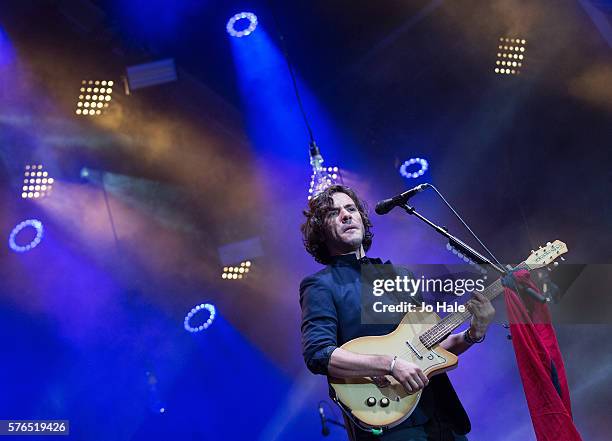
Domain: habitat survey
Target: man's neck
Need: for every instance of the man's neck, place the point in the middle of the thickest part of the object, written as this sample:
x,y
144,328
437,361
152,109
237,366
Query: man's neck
x,y
359,253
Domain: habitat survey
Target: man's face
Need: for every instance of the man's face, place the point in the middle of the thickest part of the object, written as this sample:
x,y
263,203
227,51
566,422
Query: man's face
x,y
344,226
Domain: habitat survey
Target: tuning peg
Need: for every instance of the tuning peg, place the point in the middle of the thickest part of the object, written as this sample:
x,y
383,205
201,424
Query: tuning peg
x,y
549,268
532,251
563,259
540,247
548,244
555,264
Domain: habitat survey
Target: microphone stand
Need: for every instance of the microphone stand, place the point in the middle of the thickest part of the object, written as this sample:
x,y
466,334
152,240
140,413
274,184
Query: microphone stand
x,y
456,242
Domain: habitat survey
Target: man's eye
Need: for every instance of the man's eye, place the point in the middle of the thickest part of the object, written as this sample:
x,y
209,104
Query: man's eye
x,y
352,209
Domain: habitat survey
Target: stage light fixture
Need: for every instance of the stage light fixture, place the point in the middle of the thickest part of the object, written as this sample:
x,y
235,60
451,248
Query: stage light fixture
x,y
241,19
510,56
94,97
420,162
236,272
323,178
37,225
195,311
36,182
151,74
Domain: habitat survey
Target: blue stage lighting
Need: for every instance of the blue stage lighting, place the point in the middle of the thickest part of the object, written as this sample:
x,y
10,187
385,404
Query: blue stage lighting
x,y
240,18
211,310
37,225
419,161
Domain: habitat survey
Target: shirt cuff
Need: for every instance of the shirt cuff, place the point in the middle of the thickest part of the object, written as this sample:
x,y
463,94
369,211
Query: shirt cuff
x,y
319,362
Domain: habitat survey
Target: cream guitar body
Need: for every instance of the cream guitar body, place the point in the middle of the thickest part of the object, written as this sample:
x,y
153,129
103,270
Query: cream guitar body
x,y
416,339
390,405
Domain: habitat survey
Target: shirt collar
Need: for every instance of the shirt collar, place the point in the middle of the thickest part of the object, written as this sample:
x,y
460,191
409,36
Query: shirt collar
x,y
351,259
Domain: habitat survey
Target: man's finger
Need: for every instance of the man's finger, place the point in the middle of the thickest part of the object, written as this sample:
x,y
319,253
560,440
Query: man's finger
x,y
481,297
419,381
423,378
408,387
413,383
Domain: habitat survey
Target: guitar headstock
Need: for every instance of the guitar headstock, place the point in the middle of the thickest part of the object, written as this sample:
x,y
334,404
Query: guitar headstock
x,y
546,255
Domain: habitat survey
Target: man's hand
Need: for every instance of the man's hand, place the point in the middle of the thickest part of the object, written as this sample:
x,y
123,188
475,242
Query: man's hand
x,y
482,314
409,375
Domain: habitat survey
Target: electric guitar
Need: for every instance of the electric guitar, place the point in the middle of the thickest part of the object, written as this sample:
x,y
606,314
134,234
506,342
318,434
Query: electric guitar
x,y
416,339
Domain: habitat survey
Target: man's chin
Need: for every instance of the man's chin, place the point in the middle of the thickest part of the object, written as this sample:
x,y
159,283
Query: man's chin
x,y
354,243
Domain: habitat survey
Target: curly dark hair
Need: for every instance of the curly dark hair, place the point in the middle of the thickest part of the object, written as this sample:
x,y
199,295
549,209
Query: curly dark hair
x,y
313,229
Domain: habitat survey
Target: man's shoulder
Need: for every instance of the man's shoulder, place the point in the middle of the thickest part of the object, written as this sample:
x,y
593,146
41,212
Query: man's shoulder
x,y
322,276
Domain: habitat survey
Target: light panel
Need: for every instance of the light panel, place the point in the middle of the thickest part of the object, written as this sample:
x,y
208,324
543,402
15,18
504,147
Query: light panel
x,y
510,56
236,272
36,182
94,97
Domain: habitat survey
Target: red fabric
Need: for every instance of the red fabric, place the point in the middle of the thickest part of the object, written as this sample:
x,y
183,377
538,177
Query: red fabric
x,y
535,345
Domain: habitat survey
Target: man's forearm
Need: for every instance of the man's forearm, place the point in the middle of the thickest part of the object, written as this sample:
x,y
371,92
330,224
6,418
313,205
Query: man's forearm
x,y
347,364
456,343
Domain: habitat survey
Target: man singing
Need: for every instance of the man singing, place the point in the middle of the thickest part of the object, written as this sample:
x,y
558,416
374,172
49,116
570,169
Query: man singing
x,y
337,234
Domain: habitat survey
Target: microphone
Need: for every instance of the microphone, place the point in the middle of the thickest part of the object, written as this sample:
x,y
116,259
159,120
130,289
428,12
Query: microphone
x,y
383,207
324,428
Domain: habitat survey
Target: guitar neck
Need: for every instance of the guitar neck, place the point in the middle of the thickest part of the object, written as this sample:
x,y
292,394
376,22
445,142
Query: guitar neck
x,y
448,324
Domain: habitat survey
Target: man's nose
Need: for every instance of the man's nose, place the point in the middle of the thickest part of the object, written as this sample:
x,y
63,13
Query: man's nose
x,y
345,215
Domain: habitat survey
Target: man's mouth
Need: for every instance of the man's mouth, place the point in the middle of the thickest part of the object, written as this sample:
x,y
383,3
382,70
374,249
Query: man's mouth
x,y
352,227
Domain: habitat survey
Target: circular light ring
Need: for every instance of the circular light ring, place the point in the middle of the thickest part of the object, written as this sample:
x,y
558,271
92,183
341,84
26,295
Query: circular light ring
x,y
37,225
241,16
420,161
196,309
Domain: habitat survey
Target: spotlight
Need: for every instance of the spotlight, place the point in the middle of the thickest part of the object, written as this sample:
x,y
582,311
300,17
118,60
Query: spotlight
x,y
513,49
37,225
422,163
94,100
194,311
36,182
241,19
236,272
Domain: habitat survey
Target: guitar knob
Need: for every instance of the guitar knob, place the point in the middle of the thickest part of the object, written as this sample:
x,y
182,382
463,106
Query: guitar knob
x,y
384,402
370,402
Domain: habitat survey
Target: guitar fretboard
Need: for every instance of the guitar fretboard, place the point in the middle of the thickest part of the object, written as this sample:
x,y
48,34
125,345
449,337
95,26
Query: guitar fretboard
x,y
448,324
